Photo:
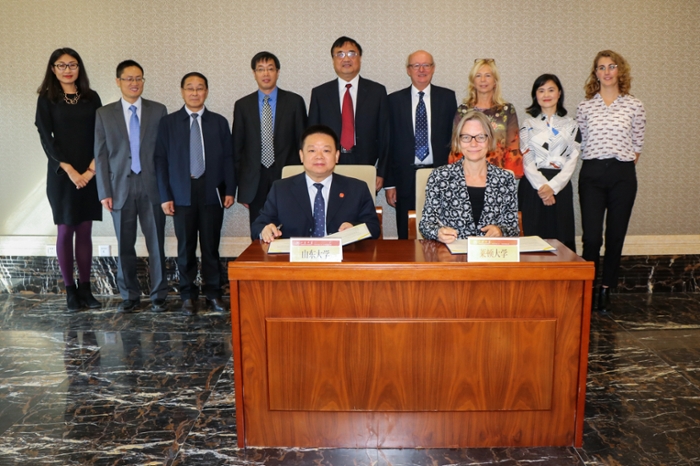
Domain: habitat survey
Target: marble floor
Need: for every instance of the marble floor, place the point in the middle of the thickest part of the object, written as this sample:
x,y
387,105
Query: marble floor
x,y
97,387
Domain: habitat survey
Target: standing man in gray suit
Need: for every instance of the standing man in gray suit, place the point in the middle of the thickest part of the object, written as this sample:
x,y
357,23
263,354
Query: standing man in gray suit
x,y
125,139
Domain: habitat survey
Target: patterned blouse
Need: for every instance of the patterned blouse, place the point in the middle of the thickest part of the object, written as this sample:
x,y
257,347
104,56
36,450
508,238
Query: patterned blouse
x,y
610,132
447,203
504,121
553,144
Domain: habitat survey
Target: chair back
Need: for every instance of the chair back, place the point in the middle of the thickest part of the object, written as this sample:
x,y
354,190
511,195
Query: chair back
x,y
422,175
366,173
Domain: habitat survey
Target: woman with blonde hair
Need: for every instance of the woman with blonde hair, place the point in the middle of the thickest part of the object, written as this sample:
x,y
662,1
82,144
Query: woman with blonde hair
x,y
484,95
471,197
612,124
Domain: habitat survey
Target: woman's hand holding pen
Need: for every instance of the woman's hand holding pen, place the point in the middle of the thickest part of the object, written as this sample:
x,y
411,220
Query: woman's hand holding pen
x,y
446,234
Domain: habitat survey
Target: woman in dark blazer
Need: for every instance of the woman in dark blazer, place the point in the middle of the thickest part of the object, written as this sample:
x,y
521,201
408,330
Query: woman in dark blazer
x,y
470,197
65,118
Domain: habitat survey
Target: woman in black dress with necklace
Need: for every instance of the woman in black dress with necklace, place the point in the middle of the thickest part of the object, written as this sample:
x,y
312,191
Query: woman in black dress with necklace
x,y
65,118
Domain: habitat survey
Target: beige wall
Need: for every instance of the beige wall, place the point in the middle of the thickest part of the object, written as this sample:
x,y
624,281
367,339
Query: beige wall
x,y
528,37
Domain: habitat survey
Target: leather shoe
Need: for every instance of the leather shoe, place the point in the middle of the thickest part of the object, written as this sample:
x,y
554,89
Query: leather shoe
x,y
158,305
128,305
217,305
604,300
188,307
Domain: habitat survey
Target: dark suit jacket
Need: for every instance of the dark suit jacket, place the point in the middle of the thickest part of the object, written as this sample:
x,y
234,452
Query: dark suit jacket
x,y
113,152
172,157
290,122
371,121
443,105
288,203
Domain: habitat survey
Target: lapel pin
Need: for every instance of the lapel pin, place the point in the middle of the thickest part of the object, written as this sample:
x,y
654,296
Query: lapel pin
x,y
342,194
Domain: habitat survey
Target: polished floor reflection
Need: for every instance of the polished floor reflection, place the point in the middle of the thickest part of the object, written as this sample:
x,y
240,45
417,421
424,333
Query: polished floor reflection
x,y
109,389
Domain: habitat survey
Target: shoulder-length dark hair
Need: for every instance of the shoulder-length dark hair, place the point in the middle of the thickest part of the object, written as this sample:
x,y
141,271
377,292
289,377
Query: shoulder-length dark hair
x,y
534,109
51,87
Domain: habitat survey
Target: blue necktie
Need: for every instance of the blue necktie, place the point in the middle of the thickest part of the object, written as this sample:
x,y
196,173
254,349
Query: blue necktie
x,y
421,129
196,150
319,213
134,143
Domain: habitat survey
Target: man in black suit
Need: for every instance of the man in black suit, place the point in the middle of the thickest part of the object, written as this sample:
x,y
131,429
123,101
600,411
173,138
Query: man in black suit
x,y
267,127
194,167
355,108
316,202
125,139
421,129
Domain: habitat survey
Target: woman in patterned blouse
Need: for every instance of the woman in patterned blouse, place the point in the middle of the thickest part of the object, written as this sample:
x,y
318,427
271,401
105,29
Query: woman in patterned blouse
x,y
470,197
612,124
484,95
549,141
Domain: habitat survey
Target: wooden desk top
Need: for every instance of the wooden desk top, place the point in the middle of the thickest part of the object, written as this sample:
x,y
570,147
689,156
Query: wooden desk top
x,y
389,260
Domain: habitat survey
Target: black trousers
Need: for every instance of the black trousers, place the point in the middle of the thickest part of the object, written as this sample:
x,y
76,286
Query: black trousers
x,y
203,221
267,177
606,186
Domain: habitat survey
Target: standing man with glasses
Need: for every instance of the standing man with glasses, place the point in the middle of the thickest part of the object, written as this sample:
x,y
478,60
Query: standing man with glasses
x,y
125,140
267,127
354,107
194,165
421,128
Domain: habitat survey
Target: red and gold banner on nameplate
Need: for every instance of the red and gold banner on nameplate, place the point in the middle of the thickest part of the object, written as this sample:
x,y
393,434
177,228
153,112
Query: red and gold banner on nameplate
x,y
493,250
316,250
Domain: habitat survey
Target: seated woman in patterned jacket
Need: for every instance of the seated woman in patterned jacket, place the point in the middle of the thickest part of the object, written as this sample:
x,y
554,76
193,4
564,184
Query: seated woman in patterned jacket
x,y
470,197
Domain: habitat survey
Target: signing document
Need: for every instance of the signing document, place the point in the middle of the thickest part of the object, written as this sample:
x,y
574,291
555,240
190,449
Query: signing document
x,y
527,244
351,235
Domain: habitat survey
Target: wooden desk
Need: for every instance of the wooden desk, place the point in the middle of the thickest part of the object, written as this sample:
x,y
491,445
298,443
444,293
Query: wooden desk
x,y
406,345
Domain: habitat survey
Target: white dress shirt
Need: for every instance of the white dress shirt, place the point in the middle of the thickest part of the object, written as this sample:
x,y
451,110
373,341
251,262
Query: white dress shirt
x,y
325,192
414,103
199,122
127,112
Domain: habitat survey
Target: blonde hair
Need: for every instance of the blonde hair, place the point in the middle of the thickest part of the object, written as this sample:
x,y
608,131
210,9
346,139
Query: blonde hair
x,y
624,80
497,99
486,128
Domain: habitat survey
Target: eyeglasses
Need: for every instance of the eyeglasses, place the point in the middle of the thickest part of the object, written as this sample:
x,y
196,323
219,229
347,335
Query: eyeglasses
x,y
350,54
418,66
610,67
192,90
131,79
62,66
467,138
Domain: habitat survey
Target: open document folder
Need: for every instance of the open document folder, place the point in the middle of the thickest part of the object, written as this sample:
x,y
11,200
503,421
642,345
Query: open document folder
x,y
351,235
527,244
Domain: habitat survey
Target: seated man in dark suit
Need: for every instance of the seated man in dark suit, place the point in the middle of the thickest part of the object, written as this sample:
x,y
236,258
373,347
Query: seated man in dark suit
x,y
316,202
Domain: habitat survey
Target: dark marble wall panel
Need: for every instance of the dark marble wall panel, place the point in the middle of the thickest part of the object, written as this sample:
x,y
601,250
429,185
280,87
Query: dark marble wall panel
x,y
638,274
41,275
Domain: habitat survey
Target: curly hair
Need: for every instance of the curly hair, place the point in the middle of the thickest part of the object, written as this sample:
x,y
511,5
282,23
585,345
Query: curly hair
x,y
497,99
624,79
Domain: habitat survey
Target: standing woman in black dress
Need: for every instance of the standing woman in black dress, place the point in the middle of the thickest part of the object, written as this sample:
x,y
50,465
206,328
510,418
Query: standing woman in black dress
x,y
65,118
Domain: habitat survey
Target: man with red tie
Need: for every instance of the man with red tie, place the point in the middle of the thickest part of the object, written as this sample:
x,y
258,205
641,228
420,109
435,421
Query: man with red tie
x,y
354,107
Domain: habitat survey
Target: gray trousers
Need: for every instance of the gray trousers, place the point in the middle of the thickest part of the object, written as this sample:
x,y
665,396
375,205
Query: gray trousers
x,y
152,220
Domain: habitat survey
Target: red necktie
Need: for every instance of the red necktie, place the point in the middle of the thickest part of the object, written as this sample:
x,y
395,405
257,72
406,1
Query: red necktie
x,y
347,134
